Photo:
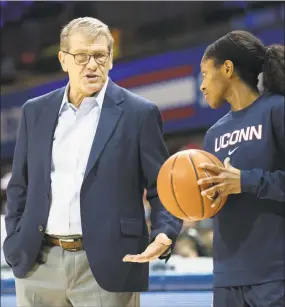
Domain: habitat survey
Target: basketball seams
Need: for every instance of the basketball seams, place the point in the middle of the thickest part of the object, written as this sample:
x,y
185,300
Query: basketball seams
x,y
209,156
172,187
178,175
197,178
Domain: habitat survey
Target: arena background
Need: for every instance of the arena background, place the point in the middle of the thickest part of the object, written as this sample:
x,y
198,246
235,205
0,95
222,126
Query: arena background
x,y
158,48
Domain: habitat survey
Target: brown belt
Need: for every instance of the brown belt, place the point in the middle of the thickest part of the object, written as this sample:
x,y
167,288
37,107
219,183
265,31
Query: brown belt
x,y
69,244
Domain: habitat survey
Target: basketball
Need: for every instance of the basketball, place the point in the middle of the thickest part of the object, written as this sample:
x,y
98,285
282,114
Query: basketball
x,y
178,189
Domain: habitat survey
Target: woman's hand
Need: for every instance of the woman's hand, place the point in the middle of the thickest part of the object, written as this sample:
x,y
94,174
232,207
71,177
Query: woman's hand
x,y
226,181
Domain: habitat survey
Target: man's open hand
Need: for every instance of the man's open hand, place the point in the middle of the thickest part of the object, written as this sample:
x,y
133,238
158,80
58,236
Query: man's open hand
x,y
153,251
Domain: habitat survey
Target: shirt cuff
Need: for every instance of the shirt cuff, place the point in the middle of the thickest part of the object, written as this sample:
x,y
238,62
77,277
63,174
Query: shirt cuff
x,y
249,181
166,253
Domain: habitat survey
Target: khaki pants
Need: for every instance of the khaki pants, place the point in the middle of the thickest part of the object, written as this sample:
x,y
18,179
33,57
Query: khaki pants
x,y
65,280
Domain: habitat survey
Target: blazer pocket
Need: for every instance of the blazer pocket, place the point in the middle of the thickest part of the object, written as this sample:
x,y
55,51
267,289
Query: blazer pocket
x,y
132,227
11,249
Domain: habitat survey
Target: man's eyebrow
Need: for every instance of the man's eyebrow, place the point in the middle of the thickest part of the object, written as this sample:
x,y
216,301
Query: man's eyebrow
x,y
80,50
85,50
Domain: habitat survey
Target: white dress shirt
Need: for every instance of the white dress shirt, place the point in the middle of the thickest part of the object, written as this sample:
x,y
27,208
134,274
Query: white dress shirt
x,y
72,143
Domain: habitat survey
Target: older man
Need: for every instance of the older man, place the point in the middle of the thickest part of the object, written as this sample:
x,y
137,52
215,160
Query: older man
x,y
84,154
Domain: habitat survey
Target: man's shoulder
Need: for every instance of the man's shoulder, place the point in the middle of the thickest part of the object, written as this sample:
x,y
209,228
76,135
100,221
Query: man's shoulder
x,y
136,101
44,99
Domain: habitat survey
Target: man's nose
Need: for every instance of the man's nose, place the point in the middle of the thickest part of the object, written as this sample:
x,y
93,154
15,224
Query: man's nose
x,y
92,64
202,87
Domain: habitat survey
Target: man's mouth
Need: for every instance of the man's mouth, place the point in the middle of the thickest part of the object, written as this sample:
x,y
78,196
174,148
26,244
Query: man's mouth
x,y
92,77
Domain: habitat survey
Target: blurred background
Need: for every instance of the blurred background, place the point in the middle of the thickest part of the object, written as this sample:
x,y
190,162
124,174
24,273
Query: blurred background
x,y
157,53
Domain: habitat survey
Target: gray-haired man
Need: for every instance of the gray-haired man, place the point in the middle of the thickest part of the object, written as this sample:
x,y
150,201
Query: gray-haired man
x,y
83,157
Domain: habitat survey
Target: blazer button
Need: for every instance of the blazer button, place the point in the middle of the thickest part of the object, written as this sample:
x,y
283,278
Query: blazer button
x,y
41,228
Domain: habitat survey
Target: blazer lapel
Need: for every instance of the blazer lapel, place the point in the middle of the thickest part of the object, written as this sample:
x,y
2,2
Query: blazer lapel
x,y
109,118
45,130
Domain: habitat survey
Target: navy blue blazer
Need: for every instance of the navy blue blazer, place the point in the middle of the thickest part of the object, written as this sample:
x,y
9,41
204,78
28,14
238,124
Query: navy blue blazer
x,y
127,153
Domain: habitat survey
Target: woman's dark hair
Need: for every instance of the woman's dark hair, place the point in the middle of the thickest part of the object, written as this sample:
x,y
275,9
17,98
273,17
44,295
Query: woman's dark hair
x,y
250,57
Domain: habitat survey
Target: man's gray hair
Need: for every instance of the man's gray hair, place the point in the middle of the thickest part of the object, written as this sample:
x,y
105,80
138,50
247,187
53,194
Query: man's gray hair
x,y
89,26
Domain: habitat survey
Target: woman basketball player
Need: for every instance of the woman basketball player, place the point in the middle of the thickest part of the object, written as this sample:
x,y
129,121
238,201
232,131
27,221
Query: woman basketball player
x,y
249,231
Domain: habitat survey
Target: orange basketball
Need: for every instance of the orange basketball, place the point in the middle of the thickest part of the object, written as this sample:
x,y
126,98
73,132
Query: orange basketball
x,y
178,189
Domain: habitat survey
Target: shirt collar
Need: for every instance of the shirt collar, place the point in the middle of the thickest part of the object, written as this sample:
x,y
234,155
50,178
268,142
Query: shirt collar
x,y
99,97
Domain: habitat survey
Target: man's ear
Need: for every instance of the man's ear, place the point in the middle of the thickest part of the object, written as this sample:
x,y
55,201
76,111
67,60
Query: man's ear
x,y
111,60
62,60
